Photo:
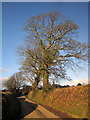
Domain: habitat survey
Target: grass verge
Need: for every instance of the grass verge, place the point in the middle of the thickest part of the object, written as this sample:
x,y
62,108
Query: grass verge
x,y
72,100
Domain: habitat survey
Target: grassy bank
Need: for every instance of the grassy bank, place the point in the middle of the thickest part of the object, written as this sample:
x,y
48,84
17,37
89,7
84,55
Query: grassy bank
x,y
72,100
11,107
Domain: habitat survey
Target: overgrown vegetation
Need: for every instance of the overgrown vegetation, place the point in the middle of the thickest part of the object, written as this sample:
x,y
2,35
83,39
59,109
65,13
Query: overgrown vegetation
x,y
72,100
11,107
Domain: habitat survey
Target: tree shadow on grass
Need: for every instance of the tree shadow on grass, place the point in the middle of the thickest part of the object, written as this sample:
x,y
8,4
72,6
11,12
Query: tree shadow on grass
x,y
26,107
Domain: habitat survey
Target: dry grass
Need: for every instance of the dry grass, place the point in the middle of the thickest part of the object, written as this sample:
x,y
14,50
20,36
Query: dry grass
x,y
72,100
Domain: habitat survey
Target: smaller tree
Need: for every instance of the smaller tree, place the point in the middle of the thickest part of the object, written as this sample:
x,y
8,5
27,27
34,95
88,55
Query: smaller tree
x,y
15,82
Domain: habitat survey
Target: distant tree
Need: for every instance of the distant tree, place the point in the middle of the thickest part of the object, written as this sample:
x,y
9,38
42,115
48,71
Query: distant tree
x,y
51,48
79,84
4,90
56,86
67,86
14,83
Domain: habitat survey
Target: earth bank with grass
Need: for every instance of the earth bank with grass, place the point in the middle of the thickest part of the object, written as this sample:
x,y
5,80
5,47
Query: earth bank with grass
x,y
71,100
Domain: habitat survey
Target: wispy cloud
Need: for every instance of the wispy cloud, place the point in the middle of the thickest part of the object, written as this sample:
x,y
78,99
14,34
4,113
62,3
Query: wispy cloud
x,y
76,81
3,69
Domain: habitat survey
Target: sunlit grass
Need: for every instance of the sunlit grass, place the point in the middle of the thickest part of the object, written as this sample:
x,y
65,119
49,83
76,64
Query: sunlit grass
x,y
72,100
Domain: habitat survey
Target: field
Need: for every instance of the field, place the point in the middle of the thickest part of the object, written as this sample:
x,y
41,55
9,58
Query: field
x,y
71,100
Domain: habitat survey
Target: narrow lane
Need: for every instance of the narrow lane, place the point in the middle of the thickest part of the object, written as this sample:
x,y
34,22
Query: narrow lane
x,y
32,110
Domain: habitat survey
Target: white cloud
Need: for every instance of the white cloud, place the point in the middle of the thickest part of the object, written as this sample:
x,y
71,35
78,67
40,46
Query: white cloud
x,y
76,81
3,69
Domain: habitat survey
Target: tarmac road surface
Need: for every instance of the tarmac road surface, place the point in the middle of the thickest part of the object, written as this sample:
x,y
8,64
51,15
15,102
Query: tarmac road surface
x,y
30,109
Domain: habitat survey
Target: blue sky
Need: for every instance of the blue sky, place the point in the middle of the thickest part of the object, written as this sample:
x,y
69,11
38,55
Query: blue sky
x,y
14,17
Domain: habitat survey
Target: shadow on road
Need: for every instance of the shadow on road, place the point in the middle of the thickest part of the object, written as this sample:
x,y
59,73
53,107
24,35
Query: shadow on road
x,y
26,107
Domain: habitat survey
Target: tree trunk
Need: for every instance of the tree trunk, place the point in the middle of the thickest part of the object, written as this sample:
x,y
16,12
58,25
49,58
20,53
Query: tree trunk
x,y
35,84
45,80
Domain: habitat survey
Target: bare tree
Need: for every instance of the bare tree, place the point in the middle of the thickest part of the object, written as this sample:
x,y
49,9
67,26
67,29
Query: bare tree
x,y
30,65
15,82
51,48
